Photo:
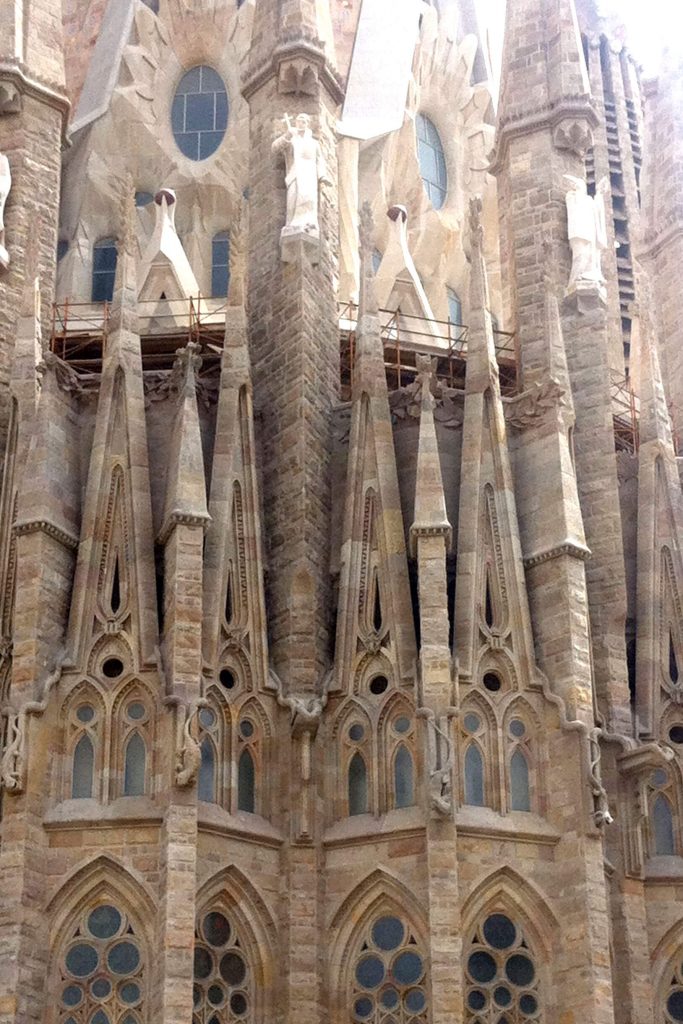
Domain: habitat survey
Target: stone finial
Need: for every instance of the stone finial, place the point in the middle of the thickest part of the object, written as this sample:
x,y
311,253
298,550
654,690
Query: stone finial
x,y
126,227
476,209
238,255
430,517
367,303
187,364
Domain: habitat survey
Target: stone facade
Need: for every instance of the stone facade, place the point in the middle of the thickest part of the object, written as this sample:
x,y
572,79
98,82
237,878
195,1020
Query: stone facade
x,y
340,602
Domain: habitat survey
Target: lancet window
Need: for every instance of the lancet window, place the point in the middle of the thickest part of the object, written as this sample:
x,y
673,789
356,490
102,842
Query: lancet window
x,y
84,746
519,760
475,787
104,270
248,758
102,971
399,743
357,747
223,984
133,724
661,797
501,976
220,264
390,977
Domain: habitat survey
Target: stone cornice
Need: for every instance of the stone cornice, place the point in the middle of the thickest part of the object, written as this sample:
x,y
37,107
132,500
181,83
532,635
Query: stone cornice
x,y
546,116
45,92
298,48
181,519
571,548
418,530
46,526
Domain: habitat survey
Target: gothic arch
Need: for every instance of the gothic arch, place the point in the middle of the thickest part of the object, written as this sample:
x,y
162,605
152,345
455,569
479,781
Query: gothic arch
x,y
666,952
370,665
342,750
104,876
379,892
233,658
501,663
107,646
507,891
231,891
85,691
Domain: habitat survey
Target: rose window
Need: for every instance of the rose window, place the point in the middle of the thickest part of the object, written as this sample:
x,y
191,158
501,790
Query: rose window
x,y
501,977
674,1002
102,971
222,981
390,976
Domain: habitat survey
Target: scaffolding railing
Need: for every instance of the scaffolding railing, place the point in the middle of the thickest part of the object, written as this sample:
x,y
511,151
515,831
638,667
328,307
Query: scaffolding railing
x,y
79,330
625,414
404,335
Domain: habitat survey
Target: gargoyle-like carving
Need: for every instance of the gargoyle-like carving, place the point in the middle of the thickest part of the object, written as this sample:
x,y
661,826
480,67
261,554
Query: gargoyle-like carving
x,y
298,77
440,768
601,813
575,136
10,98
189,751
405,404
13,762
532,405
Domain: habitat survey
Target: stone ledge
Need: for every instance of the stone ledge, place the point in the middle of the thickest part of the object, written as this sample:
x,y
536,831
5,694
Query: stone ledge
x,y
517,826
249,827
567,547
363,828
127,810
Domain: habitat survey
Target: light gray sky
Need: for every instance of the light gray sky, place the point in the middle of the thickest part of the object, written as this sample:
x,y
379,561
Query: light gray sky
x,y
651,25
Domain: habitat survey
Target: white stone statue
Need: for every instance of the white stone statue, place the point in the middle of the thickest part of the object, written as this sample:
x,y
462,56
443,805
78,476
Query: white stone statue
x,y
5,186
586,230
305,173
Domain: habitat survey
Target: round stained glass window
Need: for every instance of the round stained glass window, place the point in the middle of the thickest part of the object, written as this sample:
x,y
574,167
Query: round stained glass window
x,y
221,976
102,971
432,161
503,981
391,986
199,114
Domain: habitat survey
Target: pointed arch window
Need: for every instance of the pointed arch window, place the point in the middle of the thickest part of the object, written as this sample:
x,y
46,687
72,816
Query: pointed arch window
x,y
104,270
390,978
223,982
356,765
134,726
247,764
519,755
102,970
474,779
432,161
399,738
662,827
220,264
207,783
84,728
501,976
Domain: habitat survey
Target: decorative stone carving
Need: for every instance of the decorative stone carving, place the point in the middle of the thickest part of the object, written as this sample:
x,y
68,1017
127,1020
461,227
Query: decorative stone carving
x,y
188,751
305,174
576,136
10,98
532,405
587,233
5,186
298,76
448,409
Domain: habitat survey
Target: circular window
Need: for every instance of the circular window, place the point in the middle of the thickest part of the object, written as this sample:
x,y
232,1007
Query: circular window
x,y
207,718
221,976
432,161
85,713
517,728
402,724
390,975
471,722
227,679
103,970
379,685
112,668
136,711
356,732
246,728
491,682
199,115
501,973
676,734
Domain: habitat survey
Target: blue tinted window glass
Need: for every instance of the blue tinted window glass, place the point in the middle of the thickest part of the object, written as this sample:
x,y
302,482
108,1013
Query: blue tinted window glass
x,y
454,307
83,766
143,198
474,777
199,113
206,787
103,270
432,161
134,770
403,778
246,783
358,786
663,827
520,799
62,249
220,264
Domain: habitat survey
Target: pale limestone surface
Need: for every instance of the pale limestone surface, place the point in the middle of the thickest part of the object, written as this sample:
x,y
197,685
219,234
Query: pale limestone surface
x,y
349,601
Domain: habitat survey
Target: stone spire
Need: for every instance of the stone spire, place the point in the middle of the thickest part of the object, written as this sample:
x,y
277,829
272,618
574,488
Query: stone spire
x,y
234,600
490,588
430,501
374,592
115,571
661,243
186,482
660,540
